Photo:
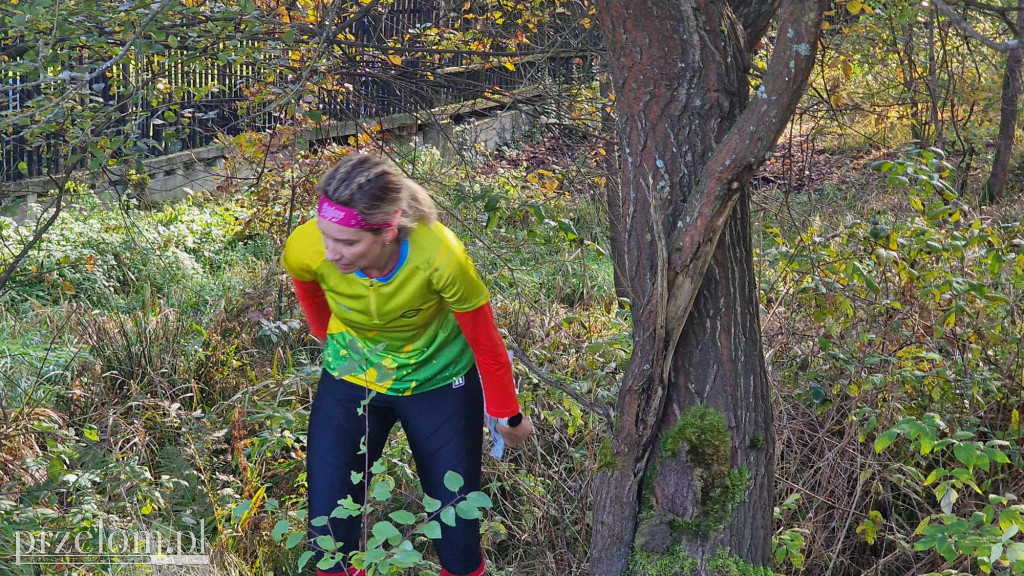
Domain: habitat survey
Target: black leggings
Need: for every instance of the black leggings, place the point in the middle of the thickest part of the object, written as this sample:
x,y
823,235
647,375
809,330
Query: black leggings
x,y
445,431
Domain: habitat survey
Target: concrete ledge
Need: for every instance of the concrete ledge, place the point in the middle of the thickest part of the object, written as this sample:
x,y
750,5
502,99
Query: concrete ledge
x,y
486,121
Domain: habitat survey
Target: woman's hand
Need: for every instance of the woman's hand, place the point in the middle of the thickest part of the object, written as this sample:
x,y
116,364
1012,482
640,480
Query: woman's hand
x,y
515,436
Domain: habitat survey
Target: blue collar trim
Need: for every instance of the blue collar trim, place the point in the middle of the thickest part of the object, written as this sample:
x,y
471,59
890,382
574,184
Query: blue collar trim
x,y
403,255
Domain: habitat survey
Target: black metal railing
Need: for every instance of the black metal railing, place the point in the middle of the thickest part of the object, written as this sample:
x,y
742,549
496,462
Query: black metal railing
x,y
159,104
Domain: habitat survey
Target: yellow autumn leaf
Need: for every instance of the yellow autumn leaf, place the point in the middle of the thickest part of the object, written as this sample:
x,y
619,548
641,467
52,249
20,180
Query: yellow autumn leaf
x,y
395,59
510,66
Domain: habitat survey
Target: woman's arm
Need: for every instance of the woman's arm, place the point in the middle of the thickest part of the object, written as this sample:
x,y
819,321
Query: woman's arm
x,y
314,305
492,360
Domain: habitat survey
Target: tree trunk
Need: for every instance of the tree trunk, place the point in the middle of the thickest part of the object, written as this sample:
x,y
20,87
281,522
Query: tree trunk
x,y
688,470
993,191
936,137
906,52
613,195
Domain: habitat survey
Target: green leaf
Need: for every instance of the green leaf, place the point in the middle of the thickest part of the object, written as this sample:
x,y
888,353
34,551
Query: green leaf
x,y
479,499
381,491
935,475
22,166
378,467
431,504
402,517
492,203
406,558
466,510
327,562
293,540
326,542
346,509
356,477
884,440
448,516
240,509
1010,532
995,554
859,272
374,555
966,453
947,549
385,530
431,530
1015,552
567,229
927,441
305,558
453,481
280,528
319,521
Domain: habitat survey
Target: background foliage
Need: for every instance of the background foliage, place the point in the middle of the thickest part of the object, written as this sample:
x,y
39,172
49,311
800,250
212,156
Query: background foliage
x,y
154,370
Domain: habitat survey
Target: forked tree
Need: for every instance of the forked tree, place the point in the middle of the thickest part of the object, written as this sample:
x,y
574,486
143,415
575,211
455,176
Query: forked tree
x,y
688,468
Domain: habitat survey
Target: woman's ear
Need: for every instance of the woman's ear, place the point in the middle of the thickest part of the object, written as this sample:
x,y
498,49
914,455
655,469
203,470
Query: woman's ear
x,y
391,234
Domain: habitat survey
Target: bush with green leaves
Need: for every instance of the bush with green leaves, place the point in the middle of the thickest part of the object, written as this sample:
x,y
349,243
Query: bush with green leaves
x,y
390,548
905,326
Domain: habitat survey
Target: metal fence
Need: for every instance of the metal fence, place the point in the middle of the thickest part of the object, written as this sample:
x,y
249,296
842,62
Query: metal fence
x,y
166,103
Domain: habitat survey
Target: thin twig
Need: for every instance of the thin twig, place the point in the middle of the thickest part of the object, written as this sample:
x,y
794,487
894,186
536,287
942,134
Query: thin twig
x,y
599,409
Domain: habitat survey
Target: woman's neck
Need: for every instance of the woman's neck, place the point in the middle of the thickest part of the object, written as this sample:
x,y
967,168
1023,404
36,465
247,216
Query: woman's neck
x,y
390,260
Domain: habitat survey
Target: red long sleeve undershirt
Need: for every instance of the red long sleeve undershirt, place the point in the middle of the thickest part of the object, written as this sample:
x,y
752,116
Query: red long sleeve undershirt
x,y
314,305
491,360
477,326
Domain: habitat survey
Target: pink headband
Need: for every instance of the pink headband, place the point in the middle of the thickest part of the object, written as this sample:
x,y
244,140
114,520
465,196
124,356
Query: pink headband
x,y
349,217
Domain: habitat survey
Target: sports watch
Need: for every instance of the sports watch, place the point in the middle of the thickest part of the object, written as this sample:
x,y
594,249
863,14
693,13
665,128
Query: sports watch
x,y
512,421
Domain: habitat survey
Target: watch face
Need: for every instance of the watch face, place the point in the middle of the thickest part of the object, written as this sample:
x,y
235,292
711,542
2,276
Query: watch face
x,y
514,421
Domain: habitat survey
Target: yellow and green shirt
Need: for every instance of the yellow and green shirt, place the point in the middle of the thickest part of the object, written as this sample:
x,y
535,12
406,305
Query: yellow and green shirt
x,y
394,334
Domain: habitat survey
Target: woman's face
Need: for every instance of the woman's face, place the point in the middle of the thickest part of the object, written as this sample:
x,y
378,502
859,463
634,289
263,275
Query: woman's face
x,y
352,249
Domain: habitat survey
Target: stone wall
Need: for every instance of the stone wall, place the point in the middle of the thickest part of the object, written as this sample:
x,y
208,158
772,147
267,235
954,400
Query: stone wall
x,y
484,123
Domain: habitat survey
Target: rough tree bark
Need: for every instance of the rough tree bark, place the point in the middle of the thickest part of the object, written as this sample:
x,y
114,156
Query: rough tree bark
x,y
1010,108
688,469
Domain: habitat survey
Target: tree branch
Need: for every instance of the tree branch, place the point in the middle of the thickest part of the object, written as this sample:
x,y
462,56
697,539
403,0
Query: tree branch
x,y
583,401
742,150
157,9
970,32
754,17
